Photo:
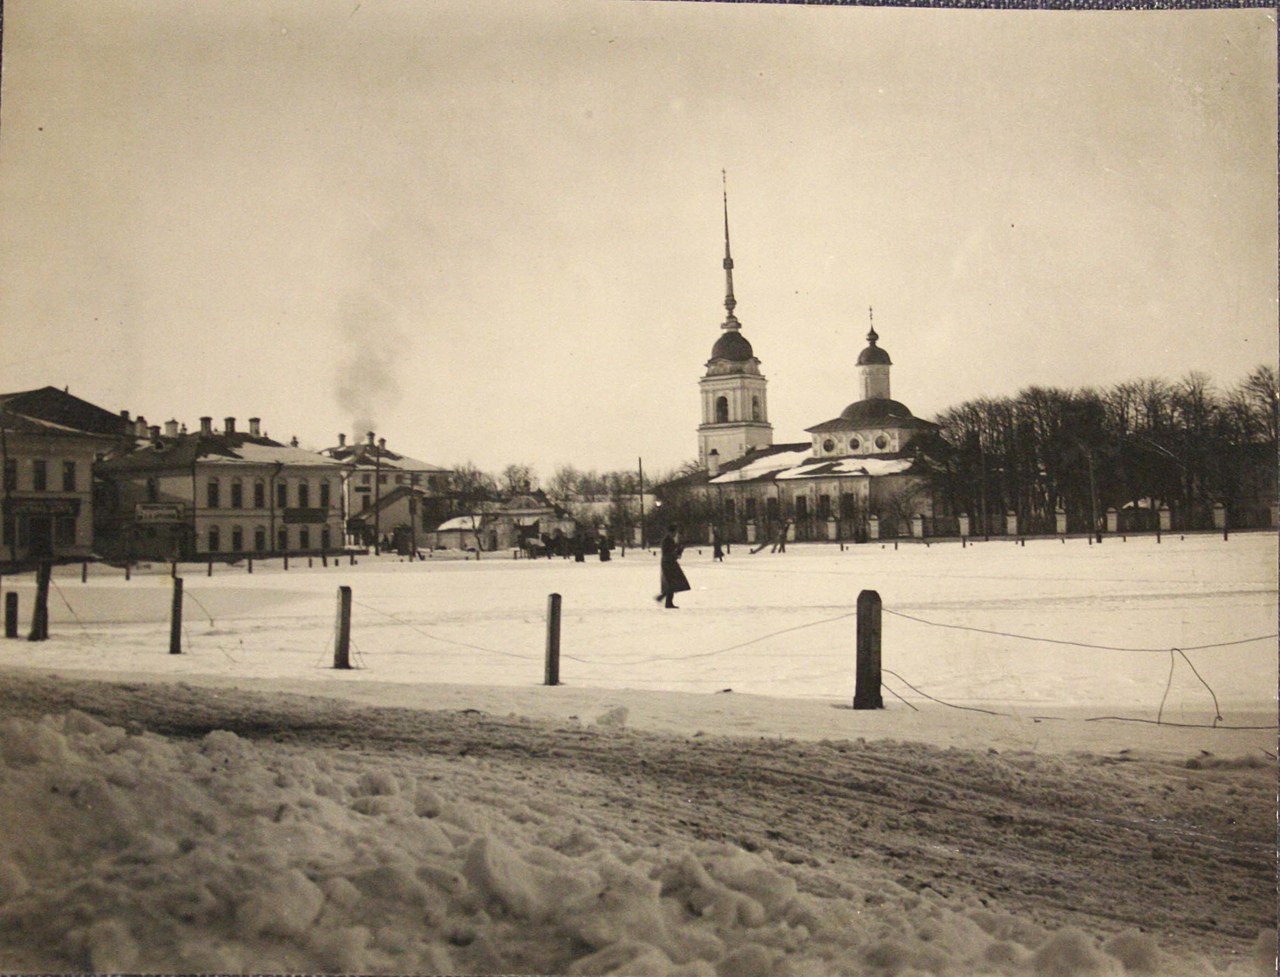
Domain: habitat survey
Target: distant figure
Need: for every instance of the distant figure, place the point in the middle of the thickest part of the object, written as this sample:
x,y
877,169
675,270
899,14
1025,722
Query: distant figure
x,y
579,546
673,578
780,544
717,551
606,544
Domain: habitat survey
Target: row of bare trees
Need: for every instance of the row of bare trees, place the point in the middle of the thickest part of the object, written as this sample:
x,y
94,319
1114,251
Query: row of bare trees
x,y
1136,447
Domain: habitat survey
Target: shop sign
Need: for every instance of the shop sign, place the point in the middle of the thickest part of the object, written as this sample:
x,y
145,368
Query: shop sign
x,y
151,512
293,516
43,507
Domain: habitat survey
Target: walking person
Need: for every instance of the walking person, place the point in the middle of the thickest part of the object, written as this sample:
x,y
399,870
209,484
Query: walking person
x,y
673,578
717,551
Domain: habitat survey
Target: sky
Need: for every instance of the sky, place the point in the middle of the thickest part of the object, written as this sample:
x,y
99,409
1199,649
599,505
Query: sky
x,y
493,232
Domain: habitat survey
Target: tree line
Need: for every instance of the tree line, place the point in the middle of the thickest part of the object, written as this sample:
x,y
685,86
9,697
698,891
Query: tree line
x,y
1136,446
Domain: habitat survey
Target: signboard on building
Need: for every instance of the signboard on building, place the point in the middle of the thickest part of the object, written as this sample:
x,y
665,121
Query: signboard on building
x,y
42,507
153,512
292,516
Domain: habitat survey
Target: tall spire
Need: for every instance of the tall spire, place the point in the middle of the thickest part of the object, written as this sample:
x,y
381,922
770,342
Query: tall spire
x,y
871,317
730,303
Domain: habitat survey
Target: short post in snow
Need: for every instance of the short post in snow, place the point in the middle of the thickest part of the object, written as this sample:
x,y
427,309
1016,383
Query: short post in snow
x,y
342,636
251,564
40,613
552,676
128,571
866,693
175,619
210,571
84,572
11,614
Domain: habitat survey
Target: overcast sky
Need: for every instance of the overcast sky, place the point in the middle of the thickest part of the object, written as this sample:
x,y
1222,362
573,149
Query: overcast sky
x,y
493,232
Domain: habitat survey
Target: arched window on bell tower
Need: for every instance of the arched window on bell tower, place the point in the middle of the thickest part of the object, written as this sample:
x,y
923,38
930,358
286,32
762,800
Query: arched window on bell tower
x,y
755,408
722,410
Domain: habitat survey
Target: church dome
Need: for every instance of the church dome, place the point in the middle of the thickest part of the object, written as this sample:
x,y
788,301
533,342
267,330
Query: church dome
x,y
732,346
876,411
873,355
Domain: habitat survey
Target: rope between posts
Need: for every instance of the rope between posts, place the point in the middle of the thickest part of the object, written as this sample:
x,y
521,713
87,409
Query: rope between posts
x,y
720,651
68,603
436,637
1076,644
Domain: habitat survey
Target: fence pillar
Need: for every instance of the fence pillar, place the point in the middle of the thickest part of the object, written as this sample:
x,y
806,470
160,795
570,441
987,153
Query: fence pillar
x,y
866,692
552,676
1166,518
342,636
1011,523
963,520
40,612
11,614
917,526
873,526
175,619
1220,518
1060,516
751,530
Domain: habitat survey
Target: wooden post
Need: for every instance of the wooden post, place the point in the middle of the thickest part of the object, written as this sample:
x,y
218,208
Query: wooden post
x,y
286,561
342,637
175,619
553,640
40,613
128,571
251,564
866,693
84,572
11,614
310,565
210,573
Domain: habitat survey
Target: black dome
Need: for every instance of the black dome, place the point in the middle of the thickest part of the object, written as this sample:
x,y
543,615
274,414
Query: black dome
x,y
732,346
876,410
874,355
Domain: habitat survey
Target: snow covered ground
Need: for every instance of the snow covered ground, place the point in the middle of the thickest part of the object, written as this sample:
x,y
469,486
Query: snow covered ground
x,y
199,848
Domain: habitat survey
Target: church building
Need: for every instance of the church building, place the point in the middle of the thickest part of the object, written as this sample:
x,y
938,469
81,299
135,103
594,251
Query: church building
x,y
860,476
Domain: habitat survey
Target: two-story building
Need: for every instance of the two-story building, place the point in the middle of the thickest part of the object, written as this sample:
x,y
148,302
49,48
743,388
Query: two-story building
x,y
49,442
195,495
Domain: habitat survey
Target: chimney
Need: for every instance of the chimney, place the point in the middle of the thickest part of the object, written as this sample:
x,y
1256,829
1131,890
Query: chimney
x,y
230,425
254,428
206,425
370,439
155,432
294,442
140,427
170,429
342,440
382,444
124,416
713,463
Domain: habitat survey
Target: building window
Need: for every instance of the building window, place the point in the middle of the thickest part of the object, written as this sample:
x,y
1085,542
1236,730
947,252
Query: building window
x,y
282,495
382,479
259,494
854,444
364,479
771,509
68,476
755,408
64,530
415,479
847,506
729,510
828,445
802,507
39,475
304,538
722,410
304,496
751,509
365,502
215,539
213,498
153,490
259,539
237,497
326,539
324,495
237,539
882,442
824,507
282,539
11,474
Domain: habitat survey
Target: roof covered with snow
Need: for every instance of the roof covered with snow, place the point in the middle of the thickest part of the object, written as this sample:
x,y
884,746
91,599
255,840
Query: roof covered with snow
x,y
217,449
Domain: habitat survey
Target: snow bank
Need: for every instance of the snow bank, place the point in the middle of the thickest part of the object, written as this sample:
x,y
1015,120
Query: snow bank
x,y
136,852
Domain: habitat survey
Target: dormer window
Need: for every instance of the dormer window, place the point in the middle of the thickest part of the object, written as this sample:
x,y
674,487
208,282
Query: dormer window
x,y
882,442
828,446
854,444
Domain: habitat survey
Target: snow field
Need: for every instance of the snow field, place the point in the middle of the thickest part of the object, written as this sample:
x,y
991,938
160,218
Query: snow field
x,y
957,623
127,852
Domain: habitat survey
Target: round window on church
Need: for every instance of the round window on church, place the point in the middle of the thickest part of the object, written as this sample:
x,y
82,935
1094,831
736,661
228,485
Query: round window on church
x,y
882,442
828,445
854,444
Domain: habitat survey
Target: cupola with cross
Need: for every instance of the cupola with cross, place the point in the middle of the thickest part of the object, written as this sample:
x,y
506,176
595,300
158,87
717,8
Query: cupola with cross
x,y
735,412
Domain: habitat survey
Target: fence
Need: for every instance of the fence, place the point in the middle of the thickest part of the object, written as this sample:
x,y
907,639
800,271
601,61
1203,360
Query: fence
x,y
861,650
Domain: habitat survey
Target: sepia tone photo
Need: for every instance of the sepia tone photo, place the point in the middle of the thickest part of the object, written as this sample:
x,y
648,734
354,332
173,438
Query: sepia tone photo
x,y
581,487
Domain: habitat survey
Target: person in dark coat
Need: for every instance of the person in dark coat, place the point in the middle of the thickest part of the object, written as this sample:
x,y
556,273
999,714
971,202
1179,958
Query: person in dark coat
x,y
606,545
717,551
673,578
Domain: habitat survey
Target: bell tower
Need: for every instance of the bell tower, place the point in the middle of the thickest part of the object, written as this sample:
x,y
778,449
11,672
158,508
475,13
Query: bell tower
x,y
735,411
